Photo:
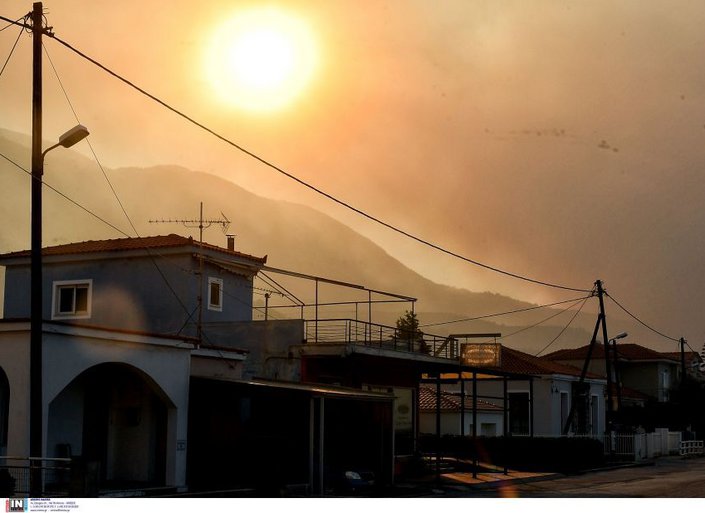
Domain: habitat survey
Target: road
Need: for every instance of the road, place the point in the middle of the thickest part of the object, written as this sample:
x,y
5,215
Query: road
x,y
669,477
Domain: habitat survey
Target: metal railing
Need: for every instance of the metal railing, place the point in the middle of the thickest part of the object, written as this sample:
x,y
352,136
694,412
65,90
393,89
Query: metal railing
x,y
15,476
350,331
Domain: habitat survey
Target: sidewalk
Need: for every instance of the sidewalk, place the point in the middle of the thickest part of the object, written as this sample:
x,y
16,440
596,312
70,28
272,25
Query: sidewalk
x,y
487,476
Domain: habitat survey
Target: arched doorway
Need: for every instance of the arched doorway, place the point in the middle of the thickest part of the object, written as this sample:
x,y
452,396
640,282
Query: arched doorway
x,y
115,415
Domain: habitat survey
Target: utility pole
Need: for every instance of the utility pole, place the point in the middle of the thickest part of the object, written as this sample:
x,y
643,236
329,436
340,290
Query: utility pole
x,y
608,366
35,344
683,376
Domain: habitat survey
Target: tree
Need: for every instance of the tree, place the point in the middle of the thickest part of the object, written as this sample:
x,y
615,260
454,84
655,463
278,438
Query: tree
x,y
408,331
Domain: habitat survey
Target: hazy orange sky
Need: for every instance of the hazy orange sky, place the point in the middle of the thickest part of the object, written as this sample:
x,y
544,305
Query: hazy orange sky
x,y
556,139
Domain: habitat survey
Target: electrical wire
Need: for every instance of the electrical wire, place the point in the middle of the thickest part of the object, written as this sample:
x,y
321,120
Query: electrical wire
x,y
11,51
469,319
65,196
75,115
273,283
304,183
564,327
639,320
542,321
13,23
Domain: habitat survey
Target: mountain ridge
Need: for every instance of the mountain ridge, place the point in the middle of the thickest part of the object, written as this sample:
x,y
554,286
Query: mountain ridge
x,y
295,236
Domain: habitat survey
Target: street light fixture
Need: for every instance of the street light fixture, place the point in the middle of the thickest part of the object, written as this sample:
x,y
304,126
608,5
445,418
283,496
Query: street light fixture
x,y
69,138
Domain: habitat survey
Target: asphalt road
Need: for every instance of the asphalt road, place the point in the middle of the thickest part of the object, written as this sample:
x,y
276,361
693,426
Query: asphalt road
x,y
669,477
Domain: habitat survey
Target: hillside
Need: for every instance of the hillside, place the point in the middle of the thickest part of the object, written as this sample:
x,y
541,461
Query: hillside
x,y
294,237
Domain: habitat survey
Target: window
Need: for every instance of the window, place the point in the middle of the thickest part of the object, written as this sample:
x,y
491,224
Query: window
x,y
488,429
72,299
519,423
215,294
565,410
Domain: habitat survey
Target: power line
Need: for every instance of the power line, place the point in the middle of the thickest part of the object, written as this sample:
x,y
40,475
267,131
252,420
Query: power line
x,y
304,183
564,327
11,51
65,196
105,175
639,320
505,313
13,23
544,320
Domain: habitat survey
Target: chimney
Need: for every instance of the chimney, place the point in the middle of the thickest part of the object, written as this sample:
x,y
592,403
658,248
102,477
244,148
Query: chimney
x,y
231,242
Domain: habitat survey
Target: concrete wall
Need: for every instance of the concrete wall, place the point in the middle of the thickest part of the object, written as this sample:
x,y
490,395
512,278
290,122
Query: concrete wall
x,y
268,343
450,423
67,353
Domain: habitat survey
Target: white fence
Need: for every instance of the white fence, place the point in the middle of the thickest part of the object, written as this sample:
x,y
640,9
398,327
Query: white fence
x,y
692,448
641,446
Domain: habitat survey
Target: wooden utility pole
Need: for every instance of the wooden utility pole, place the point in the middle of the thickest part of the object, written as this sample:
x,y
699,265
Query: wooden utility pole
x,y
608,364
35,364
683,375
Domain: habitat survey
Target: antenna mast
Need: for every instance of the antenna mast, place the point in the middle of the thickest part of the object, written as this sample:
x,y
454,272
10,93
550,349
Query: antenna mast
x,y
201,224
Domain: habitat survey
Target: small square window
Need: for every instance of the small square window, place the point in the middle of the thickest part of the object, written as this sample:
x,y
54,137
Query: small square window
x,y
215,294
72,300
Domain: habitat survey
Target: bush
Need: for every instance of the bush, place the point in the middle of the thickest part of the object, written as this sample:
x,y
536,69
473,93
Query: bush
x,y
560,454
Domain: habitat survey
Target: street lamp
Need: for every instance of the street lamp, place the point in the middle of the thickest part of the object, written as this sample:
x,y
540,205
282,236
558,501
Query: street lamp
x,y
68,139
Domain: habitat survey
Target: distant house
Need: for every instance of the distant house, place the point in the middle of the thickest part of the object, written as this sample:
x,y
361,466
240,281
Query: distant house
x,y
535,397
644,370
540,404
457,418
693,364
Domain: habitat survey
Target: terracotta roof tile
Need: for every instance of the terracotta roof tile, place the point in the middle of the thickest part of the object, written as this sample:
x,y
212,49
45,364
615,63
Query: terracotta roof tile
x,y
128,244
518,362
450,401
625,351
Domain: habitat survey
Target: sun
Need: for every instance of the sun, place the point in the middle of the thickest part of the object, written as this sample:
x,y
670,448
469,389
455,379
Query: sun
x,y
262,59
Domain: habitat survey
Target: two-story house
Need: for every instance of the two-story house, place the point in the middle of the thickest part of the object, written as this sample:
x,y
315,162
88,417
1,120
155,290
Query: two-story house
x,y
648,372
120,343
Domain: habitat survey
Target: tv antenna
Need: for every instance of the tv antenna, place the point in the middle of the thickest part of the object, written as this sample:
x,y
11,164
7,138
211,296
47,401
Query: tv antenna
x,y
201,224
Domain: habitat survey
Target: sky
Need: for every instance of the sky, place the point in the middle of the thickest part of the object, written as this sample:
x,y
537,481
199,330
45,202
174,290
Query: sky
x,y
558,140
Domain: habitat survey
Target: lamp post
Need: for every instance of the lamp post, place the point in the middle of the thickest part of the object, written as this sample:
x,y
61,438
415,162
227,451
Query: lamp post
x,y
68,139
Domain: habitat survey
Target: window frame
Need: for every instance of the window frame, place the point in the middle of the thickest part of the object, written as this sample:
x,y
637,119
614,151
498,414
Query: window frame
x,y
58,286
213,306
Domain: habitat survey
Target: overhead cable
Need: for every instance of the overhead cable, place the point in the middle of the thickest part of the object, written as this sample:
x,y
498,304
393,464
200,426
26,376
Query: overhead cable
x,y
639,320
11,51
520,310
304,183
544,320
564,327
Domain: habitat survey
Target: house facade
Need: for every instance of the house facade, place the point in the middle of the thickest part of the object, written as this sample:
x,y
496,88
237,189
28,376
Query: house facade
x,y
118,351
639,368
542,395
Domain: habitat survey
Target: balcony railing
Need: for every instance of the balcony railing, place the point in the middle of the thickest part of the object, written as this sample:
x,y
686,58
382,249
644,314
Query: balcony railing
x,y
15,476
350,331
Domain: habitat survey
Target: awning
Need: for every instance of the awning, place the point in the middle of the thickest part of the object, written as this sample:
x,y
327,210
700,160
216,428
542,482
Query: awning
x,y
317,389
